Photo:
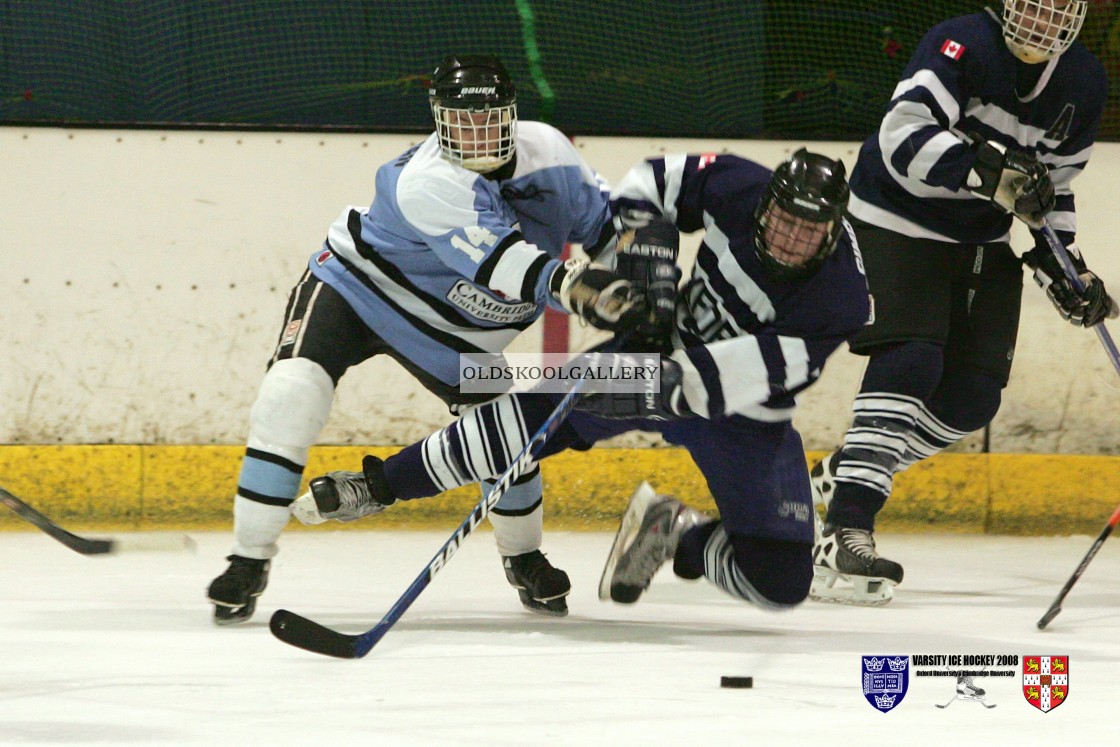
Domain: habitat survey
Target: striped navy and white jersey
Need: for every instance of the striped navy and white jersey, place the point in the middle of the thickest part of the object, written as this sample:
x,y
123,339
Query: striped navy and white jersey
x,y
447,261
748,343
961,80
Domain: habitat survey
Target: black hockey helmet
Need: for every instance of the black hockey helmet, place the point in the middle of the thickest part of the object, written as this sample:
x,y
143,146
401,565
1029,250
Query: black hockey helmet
x,y
800,217
474,104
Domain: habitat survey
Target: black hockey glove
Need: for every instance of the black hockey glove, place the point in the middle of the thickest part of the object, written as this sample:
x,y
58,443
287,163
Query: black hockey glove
x,y
1080,308
647,257
1012,179
666,404
597,295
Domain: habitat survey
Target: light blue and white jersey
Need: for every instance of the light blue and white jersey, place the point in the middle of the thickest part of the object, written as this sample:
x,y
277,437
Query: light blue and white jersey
x,y
963,80
447,261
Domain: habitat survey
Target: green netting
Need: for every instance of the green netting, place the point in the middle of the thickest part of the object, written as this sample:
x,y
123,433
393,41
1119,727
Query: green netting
x,y
808,69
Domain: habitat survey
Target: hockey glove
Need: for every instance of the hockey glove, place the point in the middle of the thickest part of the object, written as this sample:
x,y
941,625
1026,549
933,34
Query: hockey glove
x,y
1014,180
647,257
667,404
1080,308
597,295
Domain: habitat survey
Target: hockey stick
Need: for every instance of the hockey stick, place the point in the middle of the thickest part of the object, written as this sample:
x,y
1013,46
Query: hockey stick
x,y
307,634
87,546
1071,273
1056,607
73,541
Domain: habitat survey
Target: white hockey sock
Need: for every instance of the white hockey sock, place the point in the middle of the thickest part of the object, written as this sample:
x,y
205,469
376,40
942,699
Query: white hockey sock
x,y
257,527
517,535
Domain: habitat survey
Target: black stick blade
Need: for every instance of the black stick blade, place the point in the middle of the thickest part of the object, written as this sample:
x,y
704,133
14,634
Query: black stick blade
x,y
1050,615
309,635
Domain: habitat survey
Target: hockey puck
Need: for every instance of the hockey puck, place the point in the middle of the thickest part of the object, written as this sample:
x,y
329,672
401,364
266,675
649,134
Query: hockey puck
x,y
736,682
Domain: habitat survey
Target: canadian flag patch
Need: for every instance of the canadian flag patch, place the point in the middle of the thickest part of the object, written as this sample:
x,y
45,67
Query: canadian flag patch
x,y
952,49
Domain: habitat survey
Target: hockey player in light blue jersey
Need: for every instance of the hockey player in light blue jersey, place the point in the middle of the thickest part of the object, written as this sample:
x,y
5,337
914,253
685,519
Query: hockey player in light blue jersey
x,y
776,288
459,252
995,115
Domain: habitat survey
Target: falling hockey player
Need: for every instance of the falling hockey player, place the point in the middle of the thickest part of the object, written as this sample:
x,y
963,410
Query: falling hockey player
x,y
457,254
777,286
994,117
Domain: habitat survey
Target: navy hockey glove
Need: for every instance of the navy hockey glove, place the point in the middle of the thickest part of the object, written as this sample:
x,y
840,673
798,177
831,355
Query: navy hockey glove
x,y
1013,180
667,404
597,295
1080,308
647,257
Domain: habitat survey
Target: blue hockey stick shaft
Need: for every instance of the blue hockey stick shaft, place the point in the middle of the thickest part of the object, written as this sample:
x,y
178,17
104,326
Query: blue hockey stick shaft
x,y
301,632
1062,254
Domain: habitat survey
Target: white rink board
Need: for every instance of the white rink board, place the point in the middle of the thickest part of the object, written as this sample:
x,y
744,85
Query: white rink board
x,y
120,650
145,275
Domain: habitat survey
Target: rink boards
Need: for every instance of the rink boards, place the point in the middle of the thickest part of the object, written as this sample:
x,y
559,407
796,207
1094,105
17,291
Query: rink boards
x,y
154,486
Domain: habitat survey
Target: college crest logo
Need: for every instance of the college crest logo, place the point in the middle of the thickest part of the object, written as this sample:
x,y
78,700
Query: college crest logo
x,y
884,680
1045,681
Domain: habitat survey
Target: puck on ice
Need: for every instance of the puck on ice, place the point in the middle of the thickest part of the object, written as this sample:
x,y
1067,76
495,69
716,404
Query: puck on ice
x,y
738,682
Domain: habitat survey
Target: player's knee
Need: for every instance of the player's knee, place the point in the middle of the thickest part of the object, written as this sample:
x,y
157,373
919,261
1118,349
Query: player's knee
x,y
912,368
781,571
292,406
968,400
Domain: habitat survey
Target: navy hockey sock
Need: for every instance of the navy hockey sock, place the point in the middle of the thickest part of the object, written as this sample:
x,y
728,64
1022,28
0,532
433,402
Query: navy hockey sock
x,y
688,563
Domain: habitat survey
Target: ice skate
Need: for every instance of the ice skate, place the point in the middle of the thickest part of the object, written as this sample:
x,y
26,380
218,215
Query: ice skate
x,y
848,555
647,538
822,482
540,586
822,479
234,593
968,692
345,496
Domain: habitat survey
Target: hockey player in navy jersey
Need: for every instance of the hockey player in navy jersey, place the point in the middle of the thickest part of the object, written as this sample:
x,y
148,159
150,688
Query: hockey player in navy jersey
x,y
995,115
458,253
777,286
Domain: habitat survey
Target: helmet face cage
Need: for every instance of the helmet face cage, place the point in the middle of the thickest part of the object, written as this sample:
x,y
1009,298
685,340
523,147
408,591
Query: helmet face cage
x,y
801,216
1039,30
474,106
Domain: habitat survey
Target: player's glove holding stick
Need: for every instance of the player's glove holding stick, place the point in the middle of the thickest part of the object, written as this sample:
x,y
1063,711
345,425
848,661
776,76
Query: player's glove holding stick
x,y
1013,179
1083,308
598,295
660,396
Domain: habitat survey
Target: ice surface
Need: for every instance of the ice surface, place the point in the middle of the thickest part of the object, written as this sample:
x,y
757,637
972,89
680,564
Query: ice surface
x,y
121,650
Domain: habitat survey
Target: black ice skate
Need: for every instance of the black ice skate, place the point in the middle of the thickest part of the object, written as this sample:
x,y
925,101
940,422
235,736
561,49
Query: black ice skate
x,y
541,587
345,496
234,593
647,538
845,554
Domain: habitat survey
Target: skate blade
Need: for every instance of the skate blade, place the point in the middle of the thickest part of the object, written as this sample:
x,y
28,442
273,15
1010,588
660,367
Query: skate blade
x,y
859,591
627,531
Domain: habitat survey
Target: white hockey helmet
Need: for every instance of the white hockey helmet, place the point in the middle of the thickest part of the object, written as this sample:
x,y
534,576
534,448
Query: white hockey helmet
x,y
474,105
1038,30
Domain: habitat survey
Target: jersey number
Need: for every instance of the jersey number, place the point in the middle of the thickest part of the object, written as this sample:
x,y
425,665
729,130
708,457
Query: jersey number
x,y
476,236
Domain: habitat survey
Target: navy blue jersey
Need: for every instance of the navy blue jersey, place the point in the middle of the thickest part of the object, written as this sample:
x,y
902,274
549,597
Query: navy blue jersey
x,y
446,261
963,79
747,341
